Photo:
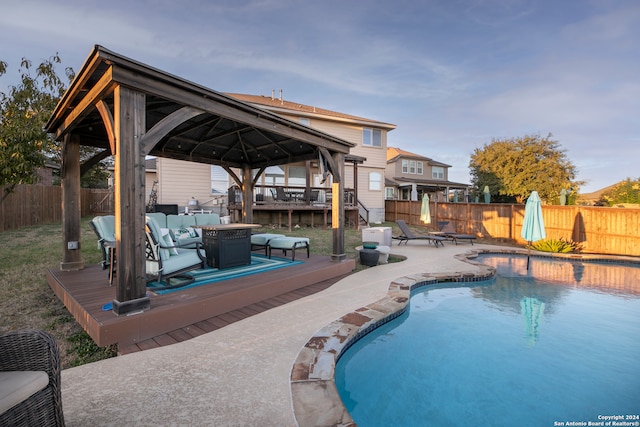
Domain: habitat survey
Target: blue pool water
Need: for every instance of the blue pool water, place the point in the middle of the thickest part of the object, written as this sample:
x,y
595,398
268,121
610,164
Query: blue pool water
x,y
514,350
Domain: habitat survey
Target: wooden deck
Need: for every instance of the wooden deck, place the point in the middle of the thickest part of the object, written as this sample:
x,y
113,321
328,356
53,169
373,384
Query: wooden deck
x,y
286,215
182,315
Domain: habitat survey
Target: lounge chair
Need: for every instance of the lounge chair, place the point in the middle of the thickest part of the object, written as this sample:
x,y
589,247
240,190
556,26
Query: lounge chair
x,y
30,380
407,235
447,231
165,260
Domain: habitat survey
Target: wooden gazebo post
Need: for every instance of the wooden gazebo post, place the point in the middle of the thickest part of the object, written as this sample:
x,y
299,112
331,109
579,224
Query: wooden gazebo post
x,y
337,206
71,209
129,126
247,195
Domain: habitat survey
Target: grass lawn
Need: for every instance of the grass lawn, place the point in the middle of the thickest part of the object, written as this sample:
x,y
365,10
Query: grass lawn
x,y
26,301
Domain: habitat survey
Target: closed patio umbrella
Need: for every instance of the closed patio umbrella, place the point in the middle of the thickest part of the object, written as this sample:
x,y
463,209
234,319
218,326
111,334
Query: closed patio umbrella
x,y
533,225
425,215
487,194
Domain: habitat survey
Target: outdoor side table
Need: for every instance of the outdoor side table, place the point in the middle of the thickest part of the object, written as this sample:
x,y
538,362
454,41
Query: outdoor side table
x,y
227,245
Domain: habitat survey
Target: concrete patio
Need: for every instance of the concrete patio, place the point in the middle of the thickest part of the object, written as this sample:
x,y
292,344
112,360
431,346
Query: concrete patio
x,y
238,375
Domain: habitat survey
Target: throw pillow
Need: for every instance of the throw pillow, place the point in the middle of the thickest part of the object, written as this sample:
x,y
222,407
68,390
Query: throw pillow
x,y
168,242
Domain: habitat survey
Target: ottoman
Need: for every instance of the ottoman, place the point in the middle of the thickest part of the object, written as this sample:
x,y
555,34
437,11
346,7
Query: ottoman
x,y
260,240
288,244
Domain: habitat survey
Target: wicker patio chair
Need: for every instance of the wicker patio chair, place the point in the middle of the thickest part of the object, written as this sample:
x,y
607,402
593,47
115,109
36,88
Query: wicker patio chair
x,y
31,350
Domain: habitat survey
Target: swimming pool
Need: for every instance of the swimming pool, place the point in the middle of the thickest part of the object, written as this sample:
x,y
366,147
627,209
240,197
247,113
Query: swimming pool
x,y
556,343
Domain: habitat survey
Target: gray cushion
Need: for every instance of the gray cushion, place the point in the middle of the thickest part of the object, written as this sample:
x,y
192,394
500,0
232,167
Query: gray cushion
x,y
18,386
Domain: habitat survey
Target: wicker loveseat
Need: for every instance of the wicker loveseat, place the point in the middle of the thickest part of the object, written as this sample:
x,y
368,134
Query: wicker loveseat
x,y
30,380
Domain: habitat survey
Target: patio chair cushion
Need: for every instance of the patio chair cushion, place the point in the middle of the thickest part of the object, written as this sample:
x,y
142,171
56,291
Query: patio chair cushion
x,y
106,226
207,219
262,239
18,386
30,379
288,244
182,260
174,221
159,217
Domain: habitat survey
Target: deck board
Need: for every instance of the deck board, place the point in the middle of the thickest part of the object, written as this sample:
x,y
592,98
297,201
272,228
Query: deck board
x,y
179,316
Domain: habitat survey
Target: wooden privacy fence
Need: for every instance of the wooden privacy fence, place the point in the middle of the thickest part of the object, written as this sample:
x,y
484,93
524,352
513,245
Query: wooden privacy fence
x,y
42,204
603,230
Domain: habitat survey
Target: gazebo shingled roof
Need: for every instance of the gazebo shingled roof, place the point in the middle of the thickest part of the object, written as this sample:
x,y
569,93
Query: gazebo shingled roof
x,y
131,110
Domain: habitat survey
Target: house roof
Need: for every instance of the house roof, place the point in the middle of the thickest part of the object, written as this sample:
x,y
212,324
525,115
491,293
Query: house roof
x,y
277,104
187,121
436,183
394,154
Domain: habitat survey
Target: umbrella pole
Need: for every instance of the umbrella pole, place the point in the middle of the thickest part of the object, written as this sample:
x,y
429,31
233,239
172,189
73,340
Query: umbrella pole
x,y
528,255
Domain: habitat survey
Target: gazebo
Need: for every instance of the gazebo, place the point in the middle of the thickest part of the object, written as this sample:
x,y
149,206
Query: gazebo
x,y
131,110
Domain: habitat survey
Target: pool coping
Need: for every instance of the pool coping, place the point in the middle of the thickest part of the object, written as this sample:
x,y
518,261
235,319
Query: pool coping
x,y
314,395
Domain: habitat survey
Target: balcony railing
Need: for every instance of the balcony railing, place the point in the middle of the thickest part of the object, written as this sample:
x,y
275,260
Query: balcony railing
x,y
273,195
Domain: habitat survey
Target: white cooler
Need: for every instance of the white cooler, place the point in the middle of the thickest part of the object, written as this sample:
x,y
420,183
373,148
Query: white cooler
x,y
382,235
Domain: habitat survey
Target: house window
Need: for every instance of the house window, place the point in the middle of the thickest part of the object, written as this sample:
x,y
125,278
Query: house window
x,y
412,166
219,180
297,176
375,181
437,172
388,193
372,137
304,121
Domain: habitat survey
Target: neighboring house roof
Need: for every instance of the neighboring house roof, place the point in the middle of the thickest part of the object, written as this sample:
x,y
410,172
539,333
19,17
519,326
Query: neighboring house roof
x,y
394,154
399,181
275,104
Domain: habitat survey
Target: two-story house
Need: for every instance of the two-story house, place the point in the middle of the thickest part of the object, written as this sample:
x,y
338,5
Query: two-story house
x,y
408,176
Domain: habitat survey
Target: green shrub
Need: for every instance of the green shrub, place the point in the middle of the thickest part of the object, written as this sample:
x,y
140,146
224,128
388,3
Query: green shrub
x,y
560,245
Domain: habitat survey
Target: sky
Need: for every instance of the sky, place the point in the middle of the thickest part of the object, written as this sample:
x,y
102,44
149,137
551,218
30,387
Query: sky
x,y
452,75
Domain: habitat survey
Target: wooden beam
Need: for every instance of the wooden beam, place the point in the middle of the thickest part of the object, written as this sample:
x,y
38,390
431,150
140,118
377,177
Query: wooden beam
x,y
335,169
91,162
71,204
97,92
107,120
247,195
337,211
131,284
258,175
166,125
233,176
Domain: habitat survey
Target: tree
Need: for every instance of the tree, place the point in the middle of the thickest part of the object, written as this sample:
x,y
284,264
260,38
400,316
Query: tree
x,y
513,168
24,111
627,191
24,146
